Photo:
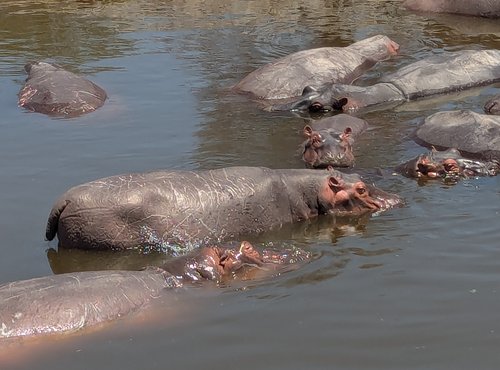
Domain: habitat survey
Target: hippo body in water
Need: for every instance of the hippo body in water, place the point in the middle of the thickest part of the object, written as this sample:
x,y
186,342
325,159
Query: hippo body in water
x,y
329,141
288,76
481,8
201,207
448,165
73,301
474,135
51,90
492,106
438,74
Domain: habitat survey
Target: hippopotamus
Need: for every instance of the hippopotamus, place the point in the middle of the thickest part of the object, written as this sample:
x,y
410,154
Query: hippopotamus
x,y
51,90
492,106
448,165
475,135
70,302
329,141
438,74
481,8
200,207
286,77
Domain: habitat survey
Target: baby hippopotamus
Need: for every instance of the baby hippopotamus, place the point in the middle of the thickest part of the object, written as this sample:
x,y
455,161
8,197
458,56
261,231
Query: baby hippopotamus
x,y
329,141
70,302
448,165
51,90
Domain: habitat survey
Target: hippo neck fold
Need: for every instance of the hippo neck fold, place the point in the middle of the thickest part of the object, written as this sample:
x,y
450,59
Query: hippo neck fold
x,y
304,187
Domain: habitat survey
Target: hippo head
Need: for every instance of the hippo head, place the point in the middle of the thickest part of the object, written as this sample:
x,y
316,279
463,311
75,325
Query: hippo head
x,y
231,260
323,148
448,165
340,197
313,101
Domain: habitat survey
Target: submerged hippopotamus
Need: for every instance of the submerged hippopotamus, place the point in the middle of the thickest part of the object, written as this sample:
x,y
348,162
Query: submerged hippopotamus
x,y
51,90
70,302
438,74
474,135
286,77
481,8
200,207
448,165
329,141
492,106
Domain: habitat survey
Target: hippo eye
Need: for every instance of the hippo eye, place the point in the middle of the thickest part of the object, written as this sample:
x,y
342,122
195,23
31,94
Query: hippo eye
x,y
361,190
316,107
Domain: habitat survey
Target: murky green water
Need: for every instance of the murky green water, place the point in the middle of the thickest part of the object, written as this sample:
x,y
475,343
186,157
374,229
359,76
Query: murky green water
x,y
414,288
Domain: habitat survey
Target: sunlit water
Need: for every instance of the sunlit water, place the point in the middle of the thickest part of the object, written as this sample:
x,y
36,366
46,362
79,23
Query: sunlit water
x,y
413,288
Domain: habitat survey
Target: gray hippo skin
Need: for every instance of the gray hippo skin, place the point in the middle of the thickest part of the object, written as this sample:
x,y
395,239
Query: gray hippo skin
x,y
51,90
474,135
492,106
70,302
438,74
202,207
286,77
329,141
448,165
481,8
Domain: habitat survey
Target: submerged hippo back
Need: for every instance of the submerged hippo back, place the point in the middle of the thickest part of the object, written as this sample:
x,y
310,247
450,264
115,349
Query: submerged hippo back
x,y
70,302
447,72
288,76
180,206
49,89
470,132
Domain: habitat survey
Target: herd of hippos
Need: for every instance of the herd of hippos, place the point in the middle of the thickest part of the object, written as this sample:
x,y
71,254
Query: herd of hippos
x,y
207,208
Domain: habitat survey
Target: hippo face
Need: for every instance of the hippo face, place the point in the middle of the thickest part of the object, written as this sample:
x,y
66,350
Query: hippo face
x,y
354,198
232,260
448,165
312,101
325,148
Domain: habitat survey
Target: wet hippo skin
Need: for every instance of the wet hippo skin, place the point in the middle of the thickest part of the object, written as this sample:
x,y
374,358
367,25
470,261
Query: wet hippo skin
x,y
481,8
438,74
201,207
51,90
288,76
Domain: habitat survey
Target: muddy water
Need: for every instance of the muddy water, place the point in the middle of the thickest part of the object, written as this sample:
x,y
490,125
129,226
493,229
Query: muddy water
x,y
414,288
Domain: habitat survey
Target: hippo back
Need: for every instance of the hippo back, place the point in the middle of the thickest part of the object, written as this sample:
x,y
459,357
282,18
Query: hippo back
x,y
475,134
70,302
288,76
51,90
447,72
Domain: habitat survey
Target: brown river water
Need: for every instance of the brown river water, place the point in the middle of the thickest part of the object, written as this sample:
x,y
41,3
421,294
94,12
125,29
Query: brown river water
x,y
413,288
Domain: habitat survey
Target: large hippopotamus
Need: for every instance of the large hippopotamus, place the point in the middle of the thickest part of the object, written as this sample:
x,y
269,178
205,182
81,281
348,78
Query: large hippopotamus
x,y
200,207
475,135
73,301
481,8
288,76
438,74
329,141
448,165
492,106
51,90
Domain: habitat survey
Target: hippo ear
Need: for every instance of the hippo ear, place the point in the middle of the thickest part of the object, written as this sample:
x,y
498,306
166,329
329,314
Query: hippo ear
x,y
308,131
308,90
338,104
346,134
335,183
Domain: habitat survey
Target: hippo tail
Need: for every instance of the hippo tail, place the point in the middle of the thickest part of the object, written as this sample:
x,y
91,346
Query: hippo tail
x,y
53,221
